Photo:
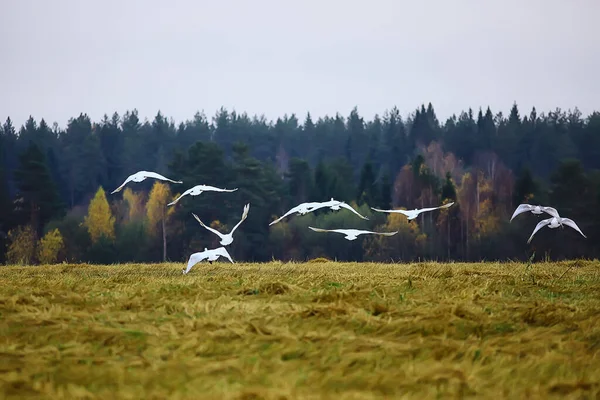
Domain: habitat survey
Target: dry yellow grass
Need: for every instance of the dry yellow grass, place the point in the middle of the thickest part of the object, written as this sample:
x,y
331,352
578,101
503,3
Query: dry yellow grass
x,y
312,330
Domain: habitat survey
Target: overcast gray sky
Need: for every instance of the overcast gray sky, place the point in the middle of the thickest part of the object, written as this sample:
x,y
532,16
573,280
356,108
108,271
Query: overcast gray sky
x,y
62,57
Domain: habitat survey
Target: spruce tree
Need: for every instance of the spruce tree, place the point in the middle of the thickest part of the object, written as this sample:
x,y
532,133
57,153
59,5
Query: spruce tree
x,y
37,195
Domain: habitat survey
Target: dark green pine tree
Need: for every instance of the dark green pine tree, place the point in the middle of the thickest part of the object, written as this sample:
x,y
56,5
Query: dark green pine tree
x,y
111,140
258,185
452,220
308,132
374,134
570,191
385,192
448,188
300,181
358,139
37,195
203,164
343,186
324,182
416,164
366,185
526,189
8,152
5,201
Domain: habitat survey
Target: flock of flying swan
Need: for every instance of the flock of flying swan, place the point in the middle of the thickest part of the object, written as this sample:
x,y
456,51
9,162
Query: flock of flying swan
x,y
301,209
553,222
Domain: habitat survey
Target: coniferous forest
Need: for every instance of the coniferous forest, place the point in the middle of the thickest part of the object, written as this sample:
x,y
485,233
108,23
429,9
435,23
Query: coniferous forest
x,y
55,185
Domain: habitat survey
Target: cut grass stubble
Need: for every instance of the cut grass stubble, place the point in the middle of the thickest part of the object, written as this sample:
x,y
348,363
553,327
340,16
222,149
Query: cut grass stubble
x,y
301,330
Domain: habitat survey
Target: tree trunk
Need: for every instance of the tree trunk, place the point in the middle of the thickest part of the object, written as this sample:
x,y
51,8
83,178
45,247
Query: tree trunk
x,y
467,239
448,244
72,190
477,189
164,237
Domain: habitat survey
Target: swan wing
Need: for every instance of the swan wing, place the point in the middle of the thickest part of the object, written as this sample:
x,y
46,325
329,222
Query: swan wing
x,y
521,209
180,196
551,211
572,224
216,189
216,232
195,259
435,208
328,230
129,178
291,211
539,226
150,174
403,212
348,207
244,216
377,233
222,251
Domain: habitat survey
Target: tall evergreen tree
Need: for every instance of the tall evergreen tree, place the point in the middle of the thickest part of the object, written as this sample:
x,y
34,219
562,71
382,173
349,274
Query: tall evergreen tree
x,y
5,202
448,188
367,191
112,145
300,181
526,189
9,152
324,183
385,196
257,184
37,197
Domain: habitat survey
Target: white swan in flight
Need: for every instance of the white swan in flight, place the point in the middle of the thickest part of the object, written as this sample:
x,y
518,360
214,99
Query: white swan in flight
x,y
196,190
352,234
300,209
336,204
535,210
210,255
555,223
140,176
305,208
412,214
225,238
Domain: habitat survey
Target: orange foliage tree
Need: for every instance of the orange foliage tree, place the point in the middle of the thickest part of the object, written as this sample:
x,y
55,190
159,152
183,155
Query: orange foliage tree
x,y
157,212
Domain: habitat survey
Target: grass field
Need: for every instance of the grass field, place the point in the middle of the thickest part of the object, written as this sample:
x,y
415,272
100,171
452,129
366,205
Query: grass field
x,y
311,330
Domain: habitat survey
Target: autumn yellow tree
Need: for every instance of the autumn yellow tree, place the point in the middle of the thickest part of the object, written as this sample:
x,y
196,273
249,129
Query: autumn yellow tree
x,y
50,247
99,220
22,245
157,212
135,204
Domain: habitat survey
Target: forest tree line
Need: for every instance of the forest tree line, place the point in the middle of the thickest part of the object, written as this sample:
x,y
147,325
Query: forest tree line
x,y
55,184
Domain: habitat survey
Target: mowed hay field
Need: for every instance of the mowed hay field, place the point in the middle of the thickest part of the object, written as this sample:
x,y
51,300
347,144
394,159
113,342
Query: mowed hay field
x,y
301,330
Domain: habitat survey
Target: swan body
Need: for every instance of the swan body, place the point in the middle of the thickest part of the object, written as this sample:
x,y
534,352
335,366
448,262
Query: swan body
x,y
336,205
196,190
226,239
352,234
522,208
210,255
555,223
300,209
